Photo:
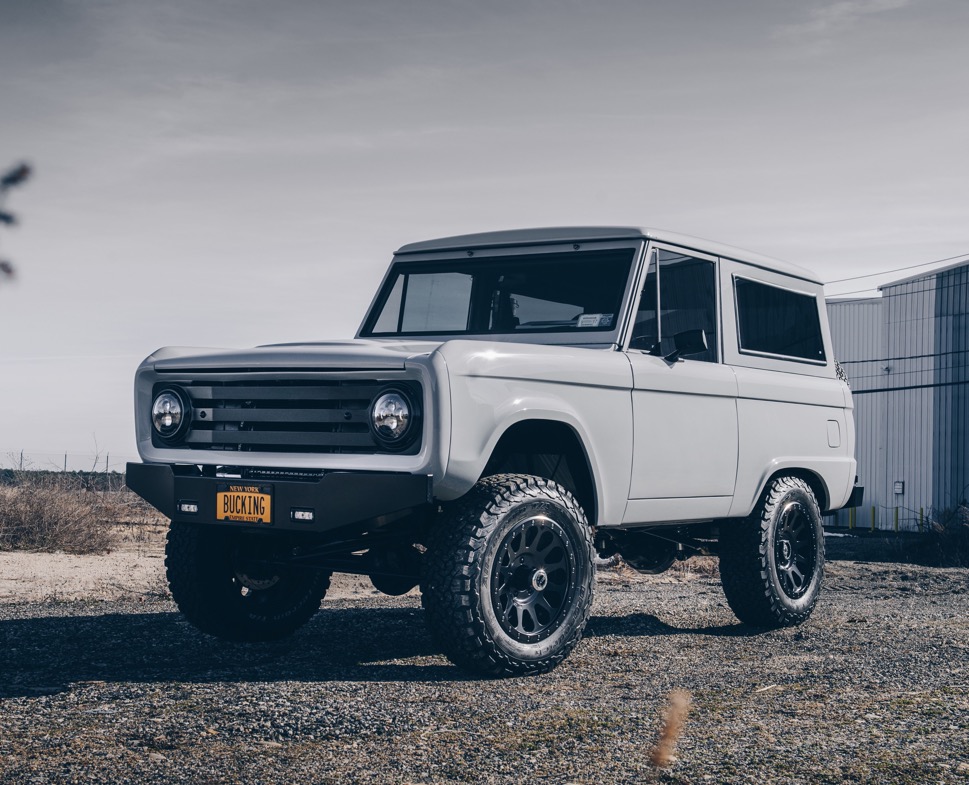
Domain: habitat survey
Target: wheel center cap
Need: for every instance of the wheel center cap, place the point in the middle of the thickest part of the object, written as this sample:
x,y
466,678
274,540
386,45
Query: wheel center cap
x,y
786,550
540,580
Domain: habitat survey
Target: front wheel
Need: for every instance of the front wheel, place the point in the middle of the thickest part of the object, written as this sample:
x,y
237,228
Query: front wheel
x,y
221,584
772,562
508,577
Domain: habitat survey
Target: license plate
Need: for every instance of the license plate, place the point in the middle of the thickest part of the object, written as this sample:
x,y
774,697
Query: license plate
x,y
244,503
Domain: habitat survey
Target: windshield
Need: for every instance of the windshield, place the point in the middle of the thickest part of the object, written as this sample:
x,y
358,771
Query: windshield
x,y
575,292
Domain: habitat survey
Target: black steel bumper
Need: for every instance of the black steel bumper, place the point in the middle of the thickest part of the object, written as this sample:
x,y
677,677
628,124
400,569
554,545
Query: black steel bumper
x,y
335,498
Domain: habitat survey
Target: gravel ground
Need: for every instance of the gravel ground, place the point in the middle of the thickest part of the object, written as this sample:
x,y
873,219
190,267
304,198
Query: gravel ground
x,y
875,687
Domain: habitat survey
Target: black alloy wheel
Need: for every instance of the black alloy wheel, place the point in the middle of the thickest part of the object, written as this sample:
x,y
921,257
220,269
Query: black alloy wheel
x,y
795,550
532,579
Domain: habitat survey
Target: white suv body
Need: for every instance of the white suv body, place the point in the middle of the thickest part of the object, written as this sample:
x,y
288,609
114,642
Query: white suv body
x,y
664,384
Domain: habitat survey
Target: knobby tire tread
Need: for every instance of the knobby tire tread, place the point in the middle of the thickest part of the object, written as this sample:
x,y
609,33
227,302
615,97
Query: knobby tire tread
x,y
744,567
449,592
194,558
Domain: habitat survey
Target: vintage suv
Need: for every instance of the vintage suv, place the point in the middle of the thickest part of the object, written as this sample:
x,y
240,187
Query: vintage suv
x,y
514,403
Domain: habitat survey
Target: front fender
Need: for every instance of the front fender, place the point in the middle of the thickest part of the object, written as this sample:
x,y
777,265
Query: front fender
x,y
495,386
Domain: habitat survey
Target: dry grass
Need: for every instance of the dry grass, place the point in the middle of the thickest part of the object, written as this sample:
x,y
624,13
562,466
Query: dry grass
x,y
688,569
56,512
698,566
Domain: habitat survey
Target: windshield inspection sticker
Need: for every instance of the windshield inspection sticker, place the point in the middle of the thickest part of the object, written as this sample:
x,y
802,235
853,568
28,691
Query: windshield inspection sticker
x,y
595,320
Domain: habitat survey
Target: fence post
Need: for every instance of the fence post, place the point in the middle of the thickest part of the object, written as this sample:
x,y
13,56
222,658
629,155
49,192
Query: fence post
x,y
851,517
921,522
873,518
896,519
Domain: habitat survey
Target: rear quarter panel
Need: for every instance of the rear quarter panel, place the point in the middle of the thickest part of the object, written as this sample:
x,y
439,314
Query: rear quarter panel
x,y
790,414
789,421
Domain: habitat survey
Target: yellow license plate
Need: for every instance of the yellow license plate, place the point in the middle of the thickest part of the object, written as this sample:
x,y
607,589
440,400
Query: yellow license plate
x,y
244,503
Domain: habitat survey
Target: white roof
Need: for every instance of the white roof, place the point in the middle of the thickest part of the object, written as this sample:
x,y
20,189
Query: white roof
x,y
572,234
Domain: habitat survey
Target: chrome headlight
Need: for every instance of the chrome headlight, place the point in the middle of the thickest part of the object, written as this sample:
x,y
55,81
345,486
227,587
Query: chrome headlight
x,y
169,413
391,416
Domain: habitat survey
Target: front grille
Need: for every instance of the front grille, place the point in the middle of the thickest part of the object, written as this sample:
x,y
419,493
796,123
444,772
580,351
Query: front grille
x,y
285,416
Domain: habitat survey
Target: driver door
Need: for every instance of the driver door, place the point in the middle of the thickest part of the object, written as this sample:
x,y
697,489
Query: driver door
x,y
685,439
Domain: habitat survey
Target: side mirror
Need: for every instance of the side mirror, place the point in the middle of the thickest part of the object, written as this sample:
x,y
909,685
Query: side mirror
x,y
687,342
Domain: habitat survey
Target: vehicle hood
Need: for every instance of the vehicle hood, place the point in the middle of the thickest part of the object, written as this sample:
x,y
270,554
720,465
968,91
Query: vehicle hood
x,y
331,355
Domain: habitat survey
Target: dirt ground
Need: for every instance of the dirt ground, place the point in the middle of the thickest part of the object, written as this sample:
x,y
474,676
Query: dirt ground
x,y
134,570
101,680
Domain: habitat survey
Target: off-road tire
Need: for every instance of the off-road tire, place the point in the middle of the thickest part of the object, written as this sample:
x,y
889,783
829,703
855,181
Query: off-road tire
x,y
759,572
474,611
203,569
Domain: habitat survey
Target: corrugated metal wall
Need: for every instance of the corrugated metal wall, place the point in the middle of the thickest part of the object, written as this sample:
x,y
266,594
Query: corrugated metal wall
x,y
951,456
906,355
907,392
859,344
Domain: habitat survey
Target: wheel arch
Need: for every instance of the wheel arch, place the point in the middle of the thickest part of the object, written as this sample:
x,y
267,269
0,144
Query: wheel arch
x,y
547,448
814,481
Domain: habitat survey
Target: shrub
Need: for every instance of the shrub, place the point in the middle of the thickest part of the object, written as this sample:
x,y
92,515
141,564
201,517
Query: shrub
x,y
45,511
947,541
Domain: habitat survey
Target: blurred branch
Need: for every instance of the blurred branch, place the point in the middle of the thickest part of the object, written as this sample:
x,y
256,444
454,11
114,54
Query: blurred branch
x,y
15,176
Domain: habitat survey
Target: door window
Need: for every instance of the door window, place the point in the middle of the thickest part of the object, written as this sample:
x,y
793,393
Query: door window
x,y
680,295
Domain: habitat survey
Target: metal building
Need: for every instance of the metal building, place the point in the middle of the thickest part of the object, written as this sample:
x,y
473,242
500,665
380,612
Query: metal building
x,y
906,355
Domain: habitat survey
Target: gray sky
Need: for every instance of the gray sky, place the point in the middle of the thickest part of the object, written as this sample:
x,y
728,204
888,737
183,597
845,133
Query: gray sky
x,y
234,173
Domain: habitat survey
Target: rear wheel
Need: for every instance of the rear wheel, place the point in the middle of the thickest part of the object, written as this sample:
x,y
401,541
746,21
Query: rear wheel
x,y
222,586
509,576
772,562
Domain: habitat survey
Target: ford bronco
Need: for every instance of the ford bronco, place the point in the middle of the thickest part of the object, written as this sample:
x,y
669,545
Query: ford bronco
x,y
514,405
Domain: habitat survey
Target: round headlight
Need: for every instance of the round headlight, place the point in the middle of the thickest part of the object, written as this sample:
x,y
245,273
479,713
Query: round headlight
x,y
168,412
391,416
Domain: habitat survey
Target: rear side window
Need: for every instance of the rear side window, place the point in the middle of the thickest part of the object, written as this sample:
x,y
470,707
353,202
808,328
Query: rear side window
x,y
777,321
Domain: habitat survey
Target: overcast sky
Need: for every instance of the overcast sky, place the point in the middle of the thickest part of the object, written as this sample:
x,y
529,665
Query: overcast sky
x,y
235,173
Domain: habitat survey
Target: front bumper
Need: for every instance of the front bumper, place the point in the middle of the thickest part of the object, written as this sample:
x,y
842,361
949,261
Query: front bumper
x,y
336,498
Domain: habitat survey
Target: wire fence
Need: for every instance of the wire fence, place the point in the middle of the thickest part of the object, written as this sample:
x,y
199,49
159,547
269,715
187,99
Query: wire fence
x,y
89,462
